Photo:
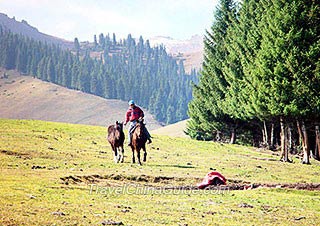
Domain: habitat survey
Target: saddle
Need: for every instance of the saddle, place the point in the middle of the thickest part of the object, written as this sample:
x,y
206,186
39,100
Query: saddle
x,y
136,125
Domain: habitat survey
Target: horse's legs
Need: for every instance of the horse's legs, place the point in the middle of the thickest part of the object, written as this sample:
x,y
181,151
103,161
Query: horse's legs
x,y
138,156
144,153
133,158
122,154
115,154
119,154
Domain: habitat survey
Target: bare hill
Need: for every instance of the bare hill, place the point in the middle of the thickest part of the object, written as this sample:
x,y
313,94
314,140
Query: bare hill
x,y
173,130
25,97
189,50
27,30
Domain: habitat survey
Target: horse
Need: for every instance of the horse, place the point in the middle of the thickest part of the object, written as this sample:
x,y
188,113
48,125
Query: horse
x,y
138,141
116,139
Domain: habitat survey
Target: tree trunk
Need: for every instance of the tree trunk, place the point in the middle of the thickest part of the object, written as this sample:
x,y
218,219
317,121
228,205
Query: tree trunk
x,y
284,149
317,146
306,150
290,144
272,137
266,140
233,136
305,142
218,137
263,138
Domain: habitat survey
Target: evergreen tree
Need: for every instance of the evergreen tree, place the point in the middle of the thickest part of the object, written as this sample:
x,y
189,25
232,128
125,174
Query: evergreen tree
x,y
95,42
102,41
283,72
205,110
126,69
76,44
50,72
269,73
66,77
114,40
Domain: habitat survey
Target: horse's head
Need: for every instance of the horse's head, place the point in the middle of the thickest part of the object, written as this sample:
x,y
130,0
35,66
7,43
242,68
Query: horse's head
x,y
118,126
140,128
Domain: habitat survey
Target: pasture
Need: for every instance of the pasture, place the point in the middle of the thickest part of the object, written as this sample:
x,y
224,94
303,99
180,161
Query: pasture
x,y
64,174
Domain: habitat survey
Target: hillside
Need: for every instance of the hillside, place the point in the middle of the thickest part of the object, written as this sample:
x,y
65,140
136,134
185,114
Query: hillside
x,y
125,70
64,174
189,50
27,30
173,130
24,97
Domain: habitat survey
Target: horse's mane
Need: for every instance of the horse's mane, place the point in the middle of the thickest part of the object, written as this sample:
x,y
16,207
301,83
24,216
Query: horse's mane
x,y
140,124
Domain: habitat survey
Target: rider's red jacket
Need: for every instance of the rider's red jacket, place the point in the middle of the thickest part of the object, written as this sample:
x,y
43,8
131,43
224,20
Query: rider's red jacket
x,y
134,114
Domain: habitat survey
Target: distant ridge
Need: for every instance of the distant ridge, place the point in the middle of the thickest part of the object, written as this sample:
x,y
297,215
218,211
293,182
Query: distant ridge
x,y
190,51
27,30
25,97
174,46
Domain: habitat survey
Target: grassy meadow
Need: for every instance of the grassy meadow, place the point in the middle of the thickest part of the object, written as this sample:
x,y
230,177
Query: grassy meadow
x,y
64,174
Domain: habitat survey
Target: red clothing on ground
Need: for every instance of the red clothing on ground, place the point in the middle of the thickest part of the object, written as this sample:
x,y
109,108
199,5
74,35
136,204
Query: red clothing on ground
x,y
134,114
210,179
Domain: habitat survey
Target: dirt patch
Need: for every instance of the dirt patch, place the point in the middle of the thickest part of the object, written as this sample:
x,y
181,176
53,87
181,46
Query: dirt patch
x,y
235,187
296,186
264,159
71,180
38,167
135,178
161,180
16,154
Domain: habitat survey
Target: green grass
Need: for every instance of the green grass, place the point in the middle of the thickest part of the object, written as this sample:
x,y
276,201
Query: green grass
x,y
37,196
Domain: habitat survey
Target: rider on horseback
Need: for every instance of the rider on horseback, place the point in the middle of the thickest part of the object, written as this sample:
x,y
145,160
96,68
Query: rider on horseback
x,y
133,114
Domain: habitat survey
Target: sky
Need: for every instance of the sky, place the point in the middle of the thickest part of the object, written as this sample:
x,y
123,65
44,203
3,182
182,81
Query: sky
x,y
179,19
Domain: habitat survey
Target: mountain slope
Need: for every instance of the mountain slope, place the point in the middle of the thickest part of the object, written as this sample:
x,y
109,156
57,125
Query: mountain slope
x,y
173,130
125,69
27,30
24,97
190,51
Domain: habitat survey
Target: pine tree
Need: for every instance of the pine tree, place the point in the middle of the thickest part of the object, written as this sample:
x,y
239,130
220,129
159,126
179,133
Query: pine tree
x,y
267,70
125,70
102,40
50,72
205,110
95,42
242,43
114,40
283,70
66,78
76,45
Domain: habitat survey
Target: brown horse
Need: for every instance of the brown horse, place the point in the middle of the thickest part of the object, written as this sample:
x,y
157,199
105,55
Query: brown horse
x,y
138,142
116,139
